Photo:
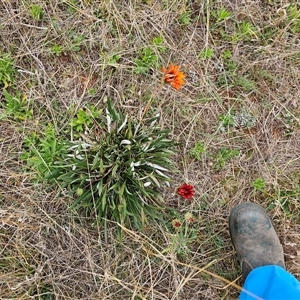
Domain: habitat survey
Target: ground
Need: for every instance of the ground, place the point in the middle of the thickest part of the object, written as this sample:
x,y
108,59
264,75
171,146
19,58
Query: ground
x,y
236,122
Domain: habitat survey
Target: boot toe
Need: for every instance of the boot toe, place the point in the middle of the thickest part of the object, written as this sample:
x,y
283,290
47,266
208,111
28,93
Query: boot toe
x,y
254,238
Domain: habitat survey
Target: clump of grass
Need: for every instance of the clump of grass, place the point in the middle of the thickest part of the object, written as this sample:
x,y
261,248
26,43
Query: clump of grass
x,y
115,176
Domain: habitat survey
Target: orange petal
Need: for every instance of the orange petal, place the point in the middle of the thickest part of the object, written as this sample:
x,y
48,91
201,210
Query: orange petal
x,y
173,76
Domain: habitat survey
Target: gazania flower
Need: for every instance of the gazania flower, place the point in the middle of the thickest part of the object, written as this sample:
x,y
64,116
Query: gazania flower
x,y
189,218
176,224
173,76
186,191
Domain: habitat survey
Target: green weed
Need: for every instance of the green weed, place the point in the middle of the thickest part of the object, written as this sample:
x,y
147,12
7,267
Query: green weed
x,y
232,76
288,200
293,18
198,150
182,242
230,69
110,59
56,49
184,237
72,6
289,120
245,83
147,59
85,118
158,42
221,15
113,59
245,32
16,106
218,242
226,120
7,70
36,11
76,41
226,55
207,53
224,155
261,74
259,184
185,18
220,23
92,91
268,34
203,99
42,151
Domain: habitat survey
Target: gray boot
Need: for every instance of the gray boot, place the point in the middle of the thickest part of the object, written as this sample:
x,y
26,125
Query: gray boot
x,y
254,238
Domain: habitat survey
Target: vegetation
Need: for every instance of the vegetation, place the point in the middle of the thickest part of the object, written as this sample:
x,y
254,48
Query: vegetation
x,y
118,176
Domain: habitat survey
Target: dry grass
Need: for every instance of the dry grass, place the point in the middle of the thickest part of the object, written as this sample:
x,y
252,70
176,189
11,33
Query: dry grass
x,y
48,253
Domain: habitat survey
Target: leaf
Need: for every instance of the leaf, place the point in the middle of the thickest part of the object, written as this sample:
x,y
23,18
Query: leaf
x,y
112,111
122,189
114,170
99,187
101,166
95,162
66,178
154,180
128,132
103,199
85,198
53,174
123,124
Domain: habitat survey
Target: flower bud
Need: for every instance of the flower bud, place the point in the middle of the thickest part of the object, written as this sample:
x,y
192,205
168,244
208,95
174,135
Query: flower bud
x,y
189,218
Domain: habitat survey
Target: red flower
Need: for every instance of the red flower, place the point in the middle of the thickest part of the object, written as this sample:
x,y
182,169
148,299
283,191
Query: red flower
x,y
176,224
186,191
173,76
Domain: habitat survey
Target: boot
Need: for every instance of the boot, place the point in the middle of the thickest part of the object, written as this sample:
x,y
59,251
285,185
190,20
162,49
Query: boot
x,y
254,238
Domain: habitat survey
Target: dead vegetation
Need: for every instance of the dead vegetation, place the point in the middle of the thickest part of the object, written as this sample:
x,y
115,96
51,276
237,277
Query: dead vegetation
x,y
68,54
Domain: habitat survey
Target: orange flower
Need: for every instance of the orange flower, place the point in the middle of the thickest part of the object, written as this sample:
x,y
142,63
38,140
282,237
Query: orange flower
x,y
173,76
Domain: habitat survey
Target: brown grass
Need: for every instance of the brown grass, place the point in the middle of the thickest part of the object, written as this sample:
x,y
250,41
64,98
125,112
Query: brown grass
x,y
48,253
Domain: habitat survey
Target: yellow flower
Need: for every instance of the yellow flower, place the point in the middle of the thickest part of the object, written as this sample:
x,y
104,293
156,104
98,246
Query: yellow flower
x,y
173,76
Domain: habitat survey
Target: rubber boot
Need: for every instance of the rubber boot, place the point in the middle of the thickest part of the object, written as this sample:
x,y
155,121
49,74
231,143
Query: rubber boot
x,y
254,238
